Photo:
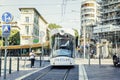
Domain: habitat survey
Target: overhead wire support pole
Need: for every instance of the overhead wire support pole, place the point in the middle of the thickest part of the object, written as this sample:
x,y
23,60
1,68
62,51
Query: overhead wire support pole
x,y
84,40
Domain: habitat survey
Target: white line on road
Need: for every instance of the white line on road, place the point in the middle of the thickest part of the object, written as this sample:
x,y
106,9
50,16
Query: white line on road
x,y
31,73
82,73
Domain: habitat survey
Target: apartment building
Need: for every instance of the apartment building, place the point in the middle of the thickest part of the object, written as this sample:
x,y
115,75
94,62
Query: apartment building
x,y
88,18
31,25
109,27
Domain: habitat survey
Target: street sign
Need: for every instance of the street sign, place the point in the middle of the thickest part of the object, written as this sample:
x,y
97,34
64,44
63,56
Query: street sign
x,y
6,28
7,17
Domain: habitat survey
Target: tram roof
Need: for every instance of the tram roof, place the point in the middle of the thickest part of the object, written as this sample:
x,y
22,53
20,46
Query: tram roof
x,y
60,30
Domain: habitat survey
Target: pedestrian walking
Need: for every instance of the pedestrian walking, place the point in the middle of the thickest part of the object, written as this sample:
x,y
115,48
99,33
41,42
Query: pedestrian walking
x,y
32,58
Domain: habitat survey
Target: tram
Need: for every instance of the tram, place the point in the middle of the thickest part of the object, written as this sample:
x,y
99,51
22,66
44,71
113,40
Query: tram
x,y
62,47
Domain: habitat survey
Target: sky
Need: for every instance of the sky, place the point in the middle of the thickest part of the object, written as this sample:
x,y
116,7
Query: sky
x,y
65,13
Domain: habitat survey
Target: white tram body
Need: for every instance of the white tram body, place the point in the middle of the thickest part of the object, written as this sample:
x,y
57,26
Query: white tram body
x,y
62,47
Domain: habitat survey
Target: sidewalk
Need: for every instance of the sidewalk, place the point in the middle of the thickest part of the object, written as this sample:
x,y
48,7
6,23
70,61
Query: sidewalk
x,y
95,71
24,68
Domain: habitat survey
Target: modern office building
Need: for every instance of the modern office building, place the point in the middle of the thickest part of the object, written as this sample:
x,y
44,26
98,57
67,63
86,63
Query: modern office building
x,y
88,18
32,25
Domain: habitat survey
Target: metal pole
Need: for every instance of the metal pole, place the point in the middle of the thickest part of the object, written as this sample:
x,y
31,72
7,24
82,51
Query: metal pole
x,y
100,56
89,59
1,58
0,65
89,55
18,62
0,61
42,54
5,58
40,60
84,41
115,42
99,60
10,65
99,50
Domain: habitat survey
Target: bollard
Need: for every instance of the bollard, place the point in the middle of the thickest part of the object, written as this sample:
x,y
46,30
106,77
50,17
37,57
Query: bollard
x,y
18,64
40,60
10,65
89,59
0,65
25,62
99,60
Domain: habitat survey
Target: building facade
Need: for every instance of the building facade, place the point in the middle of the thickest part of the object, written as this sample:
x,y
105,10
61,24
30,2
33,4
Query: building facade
x,y
109,28
88,18
31,25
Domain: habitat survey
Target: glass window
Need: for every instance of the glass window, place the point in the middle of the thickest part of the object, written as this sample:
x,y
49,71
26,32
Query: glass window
x,y
26,19
27,29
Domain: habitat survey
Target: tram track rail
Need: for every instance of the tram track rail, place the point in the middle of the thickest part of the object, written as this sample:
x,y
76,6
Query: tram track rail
x,y
42,75
66,74
54,73
52,70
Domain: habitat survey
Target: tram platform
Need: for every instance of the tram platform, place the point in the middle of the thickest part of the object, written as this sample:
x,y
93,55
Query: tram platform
x,y
25,69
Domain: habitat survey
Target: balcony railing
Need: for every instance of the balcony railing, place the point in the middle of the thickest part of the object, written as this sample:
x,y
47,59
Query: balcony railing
x,y
107,3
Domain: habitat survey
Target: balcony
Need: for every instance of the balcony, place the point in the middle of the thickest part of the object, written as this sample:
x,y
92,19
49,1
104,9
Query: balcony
x,y
107,3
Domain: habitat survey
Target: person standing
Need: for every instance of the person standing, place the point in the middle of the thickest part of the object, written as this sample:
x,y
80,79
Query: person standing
x,y
32,58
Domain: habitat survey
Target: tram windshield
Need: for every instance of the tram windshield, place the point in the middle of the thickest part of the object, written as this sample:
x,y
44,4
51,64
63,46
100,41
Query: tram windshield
x,y
63,47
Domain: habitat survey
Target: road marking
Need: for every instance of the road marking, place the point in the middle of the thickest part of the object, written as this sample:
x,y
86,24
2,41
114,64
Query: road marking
x,y
82,73
20,78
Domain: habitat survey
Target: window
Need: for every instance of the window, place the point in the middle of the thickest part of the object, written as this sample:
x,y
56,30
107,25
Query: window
x,y
26,19
27,29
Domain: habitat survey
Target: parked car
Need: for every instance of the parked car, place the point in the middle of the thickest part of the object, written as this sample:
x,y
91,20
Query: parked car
x,y
116,59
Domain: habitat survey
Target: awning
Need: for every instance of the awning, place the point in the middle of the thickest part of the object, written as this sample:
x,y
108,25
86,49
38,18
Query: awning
x,y
25,46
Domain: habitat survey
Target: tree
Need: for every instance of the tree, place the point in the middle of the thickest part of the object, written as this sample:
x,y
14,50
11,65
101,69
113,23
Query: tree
x,y
76,32
54,26
14,38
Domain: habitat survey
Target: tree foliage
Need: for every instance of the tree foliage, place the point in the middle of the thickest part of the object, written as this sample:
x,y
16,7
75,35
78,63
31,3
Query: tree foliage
x,y
76,32
54,26
14,38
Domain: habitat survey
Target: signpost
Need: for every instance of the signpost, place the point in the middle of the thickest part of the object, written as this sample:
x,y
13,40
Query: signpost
x,y
6,28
